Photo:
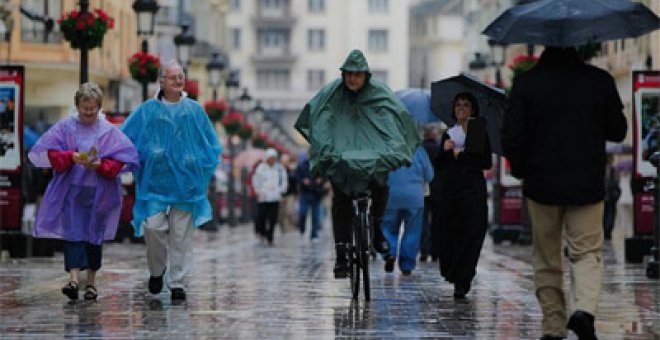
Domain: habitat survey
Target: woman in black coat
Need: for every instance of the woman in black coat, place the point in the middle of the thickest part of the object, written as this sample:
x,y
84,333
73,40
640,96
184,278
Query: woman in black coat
x,y
459,232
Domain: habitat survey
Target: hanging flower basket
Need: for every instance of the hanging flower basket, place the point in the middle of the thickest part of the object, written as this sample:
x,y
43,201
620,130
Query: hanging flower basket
x,y
216,109
192,89
522,63
246,131
232,122
85,29
144,67
260,141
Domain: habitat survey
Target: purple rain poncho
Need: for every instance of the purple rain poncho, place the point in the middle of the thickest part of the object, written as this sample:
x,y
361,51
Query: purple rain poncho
x,y
179,152
79,204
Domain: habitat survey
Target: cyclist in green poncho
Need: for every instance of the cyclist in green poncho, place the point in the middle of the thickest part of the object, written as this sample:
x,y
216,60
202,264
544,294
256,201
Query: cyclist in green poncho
x,y
358,132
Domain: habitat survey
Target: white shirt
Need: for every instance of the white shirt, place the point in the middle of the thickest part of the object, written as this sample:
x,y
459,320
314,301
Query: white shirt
x,y
270,182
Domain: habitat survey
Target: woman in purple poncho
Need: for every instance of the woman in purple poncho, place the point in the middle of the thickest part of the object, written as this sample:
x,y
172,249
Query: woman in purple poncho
x,y
83,200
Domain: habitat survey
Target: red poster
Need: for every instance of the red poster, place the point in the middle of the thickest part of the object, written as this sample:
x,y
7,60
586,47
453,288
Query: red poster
x,y
646,129
11,146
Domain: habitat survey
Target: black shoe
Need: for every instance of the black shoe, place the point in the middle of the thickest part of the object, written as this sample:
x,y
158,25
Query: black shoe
x,y
551,337
156,284
389,264
380,243
341,263
178,294
460,291
582,323
71,290
406,272
423,258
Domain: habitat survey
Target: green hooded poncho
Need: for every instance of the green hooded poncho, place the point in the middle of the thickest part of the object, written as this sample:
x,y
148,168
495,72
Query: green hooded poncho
x,y
357,138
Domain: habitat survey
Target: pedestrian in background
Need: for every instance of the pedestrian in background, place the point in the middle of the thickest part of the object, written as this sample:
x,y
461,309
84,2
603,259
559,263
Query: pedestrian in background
x,y
270,182
288,219
465,153
405,205
561,113
82,202
612,195
312,189
430,143
179,152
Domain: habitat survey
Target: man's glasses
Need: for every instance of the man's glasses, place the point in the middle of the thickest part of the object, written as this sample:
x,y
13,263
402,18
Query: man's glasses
x,y
175,77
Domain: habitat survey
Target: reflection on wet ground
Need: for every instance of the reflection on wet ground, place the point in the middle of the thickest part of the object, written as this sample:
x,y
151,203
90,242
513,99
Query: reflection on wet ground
x,y
241,289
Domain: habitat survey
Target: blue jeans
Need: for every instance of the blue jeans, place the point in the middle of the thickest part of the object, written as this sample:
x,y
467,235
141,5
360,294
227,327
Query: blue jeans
x,y
82,255
412,219
308,201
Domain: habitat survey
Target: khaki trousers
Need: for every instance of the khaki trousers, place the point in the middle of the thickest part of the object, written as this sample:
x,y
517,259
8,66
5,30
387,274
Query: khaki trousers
x,y
168,236
583,229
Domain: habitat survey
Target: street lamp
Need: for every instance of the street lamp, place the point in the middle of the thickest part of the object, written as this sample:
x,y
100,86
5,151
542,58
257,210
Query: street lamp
x,y
146,12
183,42
215,67
498,57
245,101
231,84
257,114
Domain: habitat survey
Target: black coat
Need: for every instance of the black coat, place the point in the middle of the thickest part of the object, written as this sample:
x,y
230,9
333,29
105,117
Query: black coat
x,y
561,113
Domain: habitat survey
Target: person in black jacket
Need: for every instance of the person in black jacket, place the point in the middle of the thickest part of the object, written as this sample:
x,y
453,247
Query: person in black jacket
x,y
311,191
561,113
430,143
463,209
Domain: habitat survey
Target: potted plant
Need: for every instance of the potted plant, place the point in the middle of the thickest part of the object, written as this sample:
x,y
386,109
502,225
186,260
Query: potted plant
x,y
144,67
215,109
260,141
246,131
86,29
522,63
232,122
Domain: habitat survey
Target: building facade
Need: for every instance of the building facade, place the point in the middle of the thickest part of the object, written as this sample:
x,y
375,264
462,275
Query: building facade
x,y
286,50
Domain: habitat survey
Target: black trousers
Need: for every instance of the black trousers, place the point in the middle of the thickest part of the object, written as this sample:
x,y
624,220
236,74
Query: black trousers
x,y
342,211
266,219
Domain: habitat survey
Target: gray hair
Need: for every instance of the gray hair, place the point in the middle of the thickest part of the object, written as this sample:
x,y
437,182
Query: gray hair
x,y
165,65
89,91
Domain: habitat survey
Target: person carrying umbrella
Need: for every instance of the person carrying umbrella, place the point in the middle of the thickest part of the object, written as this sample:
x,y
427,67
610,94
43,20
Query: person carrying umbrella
x,y
358,132
562,112
459,232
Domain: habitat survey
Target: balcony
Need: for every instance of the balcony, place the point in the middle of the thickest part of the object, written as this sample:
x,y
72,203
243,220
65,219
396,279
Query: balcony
x,y
271,58
274,18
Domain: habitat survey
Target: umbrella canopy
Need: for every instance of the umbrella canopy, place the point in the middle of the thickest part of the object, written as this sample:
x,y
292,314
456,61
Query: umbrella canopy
x,y
418,104
248,158
491,100
568,23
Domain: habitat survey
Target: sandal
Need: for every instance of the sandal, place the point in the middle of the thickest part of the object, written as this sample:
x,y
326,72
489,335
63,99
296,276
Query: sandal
x,y
90,292
71,290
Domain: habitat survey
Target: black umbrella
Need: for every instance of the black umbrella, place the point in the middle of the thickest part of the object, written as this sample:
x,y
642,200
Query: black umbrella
x,y
492,103
567,23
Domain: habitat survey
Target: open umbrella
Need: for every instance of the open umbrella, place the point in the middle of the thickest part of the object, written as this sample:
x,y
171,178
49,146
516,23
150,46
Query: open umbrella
x,y
567,23
418,103
491,100
247,158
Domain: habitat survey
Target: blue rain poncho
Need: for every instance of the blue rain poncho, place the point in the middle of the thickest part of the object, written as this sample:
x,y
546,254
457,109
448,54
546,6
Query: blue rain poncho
x,y
178,150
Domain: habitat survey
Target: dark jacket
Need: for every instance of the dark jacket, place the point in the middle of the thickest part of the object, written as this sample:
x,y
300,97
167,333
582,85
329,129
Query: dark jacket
x,y
315,188
561,113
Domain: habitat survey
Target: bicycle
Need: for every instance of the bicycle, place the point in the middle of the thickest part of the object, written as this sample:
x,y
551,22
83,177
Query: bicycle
x,y
359,249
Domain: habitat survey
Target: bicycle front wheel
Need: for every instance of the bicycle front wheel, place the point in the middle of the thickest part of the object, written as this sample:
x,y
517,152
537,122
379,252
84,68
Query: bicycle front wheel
x,y
364,254
354,263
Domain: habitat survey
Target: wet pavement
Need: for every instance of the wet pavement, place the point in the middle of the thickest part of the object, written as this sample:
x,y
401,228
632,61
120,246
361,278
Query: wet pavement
x,y
241,289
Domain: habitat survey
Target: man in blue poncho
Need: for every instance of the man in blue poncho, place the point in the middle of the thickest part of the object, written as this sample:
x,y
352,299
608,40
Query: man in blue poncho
x,y
358,132
179,151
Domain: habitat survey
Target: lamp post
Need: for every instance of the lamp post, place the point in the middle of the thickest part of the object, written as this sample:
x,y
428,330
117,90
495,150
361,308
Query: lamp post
x,y
498,57
231,84
84,50
146,12
183,42
215,67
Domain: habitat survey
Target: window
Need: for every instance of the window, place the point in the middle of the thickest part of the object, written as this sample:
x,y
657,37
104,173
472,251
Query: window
x,y
315,6
378,6
315,79
236,38
273,41
380,75
34,31
273,79
235,5
377,40
316,39
273,4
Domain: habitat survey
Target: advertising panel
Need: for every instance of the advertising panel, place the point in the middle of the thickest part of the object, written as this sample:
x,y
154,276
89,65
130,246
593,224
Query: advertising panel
x,y
11,136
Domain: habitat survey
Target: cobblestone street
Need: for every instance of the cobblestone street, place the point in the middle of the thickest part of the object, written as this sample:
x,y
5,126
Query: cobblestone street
x,y
243,290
